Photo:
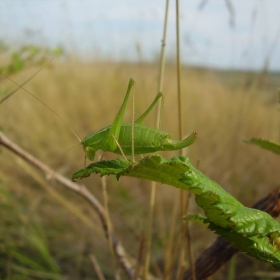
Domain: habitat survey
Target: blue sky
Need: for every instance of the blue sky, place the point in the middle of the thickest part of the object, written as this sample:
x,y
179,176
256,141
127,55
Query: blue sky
x,y
113,29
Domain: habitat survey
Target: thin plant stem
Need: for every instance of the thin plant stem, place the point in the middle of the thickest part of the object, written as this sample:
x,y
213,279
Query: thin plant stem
x,y
108,219
140,256
169,248
162,63
183,194
132,128
150,229
158,121
232,269
178,59
96,267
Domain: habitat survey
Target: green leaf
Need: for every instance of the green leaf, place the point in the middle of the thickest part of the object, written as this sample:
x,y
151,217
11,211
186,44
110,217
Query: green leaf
x,y
115,167
256,246
250,230
265,144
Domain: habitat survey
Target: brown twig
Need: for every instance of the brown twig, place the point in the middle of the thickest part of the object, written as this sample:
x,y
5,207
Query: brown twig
x,y
125,261
221,251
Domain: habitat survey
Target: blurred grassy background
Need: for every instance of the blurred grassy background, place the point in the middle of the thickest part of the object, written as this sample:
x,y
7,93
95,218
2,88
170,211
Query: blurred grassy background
x,y
39,233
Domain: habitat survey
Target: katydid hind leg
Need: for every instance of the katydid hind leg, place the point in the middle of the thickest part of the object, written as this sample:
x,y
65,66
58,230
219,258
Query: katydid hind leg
x,y
116,125
144,115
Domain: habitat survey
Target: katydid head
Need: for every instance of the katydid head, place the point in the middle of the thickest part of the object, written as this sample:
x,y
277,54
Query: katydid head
x,y
89,148
94,142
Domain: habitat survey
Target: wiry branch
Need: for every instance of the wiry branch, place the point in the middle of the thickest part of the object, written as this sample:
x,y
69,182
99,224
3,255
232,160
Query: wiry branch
x,y
221,251
126,261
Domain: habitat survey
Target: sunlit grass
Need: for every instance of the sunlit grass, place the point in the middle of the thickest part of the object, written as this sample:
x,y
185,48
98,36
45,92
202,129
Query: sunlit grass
x,y
88,97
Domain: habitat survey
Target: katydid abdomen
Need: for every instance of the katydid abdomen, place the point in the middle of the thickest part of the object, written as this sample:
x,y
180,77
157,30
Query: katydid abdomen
x,y
146,140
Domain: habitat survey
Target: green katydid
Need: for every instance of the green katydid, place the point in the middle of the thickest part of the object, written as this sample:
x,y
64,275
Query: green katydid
x,y
118,137
125,138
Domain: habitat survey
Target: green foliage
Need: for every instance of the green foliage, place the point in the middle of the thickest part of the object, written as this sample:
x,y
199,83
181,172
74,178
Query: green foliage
x,y
26,56
265,144
250,230
23,58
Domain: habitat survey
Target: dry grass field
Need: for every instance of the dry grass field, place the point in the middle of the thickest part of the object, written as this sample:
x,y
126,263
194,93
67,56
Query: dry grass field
x,y
48,229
